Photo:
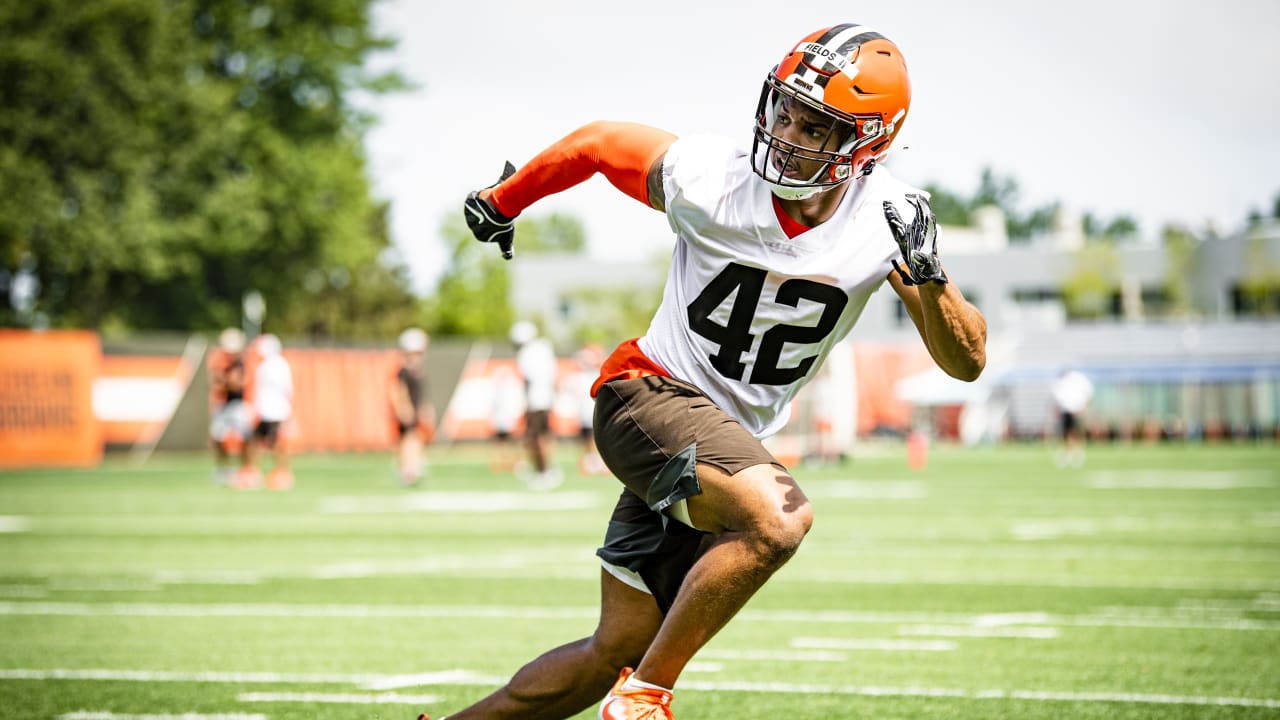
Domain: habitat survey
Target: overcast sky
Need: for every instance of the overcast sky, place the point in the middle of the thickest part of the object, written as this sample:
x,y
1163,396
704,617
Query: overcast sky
x,y
1166,110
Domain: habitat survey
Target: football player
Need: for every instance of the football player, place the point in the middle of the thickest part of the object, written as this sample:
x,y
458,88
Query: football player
x,y
777,249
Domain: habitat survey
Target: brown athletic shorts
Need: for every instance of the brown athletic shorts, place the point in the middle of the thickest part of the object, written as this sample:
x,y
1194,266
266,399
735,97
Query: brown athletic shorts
x,y
652,432
537,422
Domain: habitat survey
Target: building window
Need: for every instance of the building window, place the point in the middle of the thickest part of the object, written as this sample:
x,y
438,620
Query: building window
x,y
1255,299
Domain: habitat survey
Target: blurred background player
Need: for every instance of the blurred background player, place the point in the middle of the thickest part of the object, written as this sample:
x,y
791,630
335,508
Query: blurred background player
x,y
407,395
229,424
834,399
536,360
273,405
588,360
1071,393
508,408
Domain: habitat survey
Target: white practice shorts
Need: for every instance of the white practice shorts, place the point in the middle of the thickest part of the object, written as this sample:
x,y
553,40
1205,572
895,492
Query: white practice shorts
x,y
231,420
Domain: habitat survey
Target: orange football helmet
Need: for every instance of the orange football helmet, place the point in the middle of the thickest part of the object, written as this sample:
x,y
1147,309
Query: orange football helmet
x,y
849,74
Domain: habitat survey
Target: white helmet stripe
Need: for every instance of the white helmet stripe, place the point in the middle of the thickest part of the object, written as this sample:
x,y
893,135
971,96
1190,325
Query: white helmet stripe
x,y
845,42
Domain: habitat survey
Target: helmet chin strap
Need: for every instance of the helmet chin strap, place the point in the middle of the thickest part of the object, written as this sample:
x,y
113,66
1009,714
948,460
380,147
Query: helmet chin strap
x,y
790,192
793,192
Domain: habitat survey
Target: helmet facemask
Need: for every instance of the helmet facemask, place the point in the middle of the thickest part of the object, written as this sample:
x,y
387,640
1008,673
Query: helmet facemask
x,y
846,134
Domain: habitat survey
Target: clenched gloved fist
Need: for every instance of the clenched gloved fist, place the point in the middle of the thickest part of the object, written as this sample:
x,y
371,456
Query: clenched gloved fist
x,y
918,242
486,223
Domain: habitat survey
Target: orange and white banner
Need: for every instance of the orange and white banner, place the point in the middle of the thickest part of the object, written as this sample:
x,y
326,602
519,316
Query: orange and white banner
x,y
135,395
46,398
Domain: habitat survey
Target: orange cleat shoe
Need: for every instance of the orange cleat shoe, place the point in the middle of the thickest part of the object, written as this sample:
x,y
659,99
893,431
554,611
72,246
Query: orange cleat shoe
x,y
280,480
637,703
247,479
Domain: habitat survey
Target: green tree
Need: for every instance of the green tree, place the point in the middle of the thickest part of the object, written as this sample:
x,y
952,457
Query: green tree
x,y
1091,285
1260,286
950,208
158,158
1179,246
473,295
996,190
1037,222
1002,192
556,232
1122,228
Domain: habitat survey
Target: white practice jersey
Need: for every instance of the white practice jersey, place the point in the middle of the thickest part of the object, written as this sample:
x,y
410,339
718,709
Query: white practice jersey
x,y
748,314
537,362
273,389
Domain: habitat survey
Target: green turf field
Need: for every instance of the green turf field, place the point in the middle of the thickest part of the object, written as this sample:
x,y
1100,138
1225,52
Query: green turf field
x,y
992,585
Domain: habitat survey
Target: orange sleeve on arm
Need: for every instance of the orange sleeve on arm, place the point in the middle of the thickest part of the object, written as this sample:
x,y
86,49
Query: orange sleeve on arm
x,y
623,152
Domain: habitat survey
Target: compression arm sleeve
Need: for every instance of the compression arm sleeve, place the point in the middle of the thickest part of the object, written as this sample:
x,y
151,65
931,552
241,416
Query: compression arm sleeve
x,y
623,152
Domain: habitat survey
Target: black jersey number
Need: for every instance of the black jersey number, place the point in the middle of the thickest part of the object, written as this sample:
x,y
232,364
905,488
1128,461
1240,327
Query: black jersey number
x,y
734,337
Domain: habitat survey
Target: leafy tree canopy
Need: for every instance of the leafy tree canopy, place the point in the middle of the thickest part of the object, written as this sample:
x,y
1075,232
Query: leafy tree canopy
x,y
159,158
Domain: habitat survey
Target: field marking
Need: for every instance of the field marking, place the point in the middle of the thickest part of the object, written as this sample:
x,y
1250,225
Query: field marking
x,y
86,715
14,524
499,568
1041,695
774,655
874,644
446,677
338,698
1029,530
700,686
460,502
836,617
365,681
1019,549
971,631
1179,480
818,575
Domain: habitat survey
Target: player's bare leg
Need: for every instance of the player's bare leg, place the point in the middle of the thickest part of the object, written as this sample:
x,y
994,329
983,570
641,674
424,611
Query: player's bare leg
x,y
564,681
759,516
410,458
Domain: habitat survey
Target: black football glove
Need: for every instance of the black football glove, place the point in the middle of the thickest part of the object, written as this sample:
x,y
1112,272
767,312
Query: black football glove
x,y
486,223
917,241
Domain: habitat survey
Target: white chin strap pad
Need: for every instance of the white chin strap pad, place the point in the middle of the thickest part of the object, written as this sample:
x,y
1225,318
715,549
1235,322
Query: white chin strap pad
x,y
789,192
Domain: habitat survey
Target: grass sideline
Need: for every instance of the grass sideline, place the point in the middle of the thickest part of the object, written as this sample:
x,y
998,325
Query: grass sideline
x,y
991,585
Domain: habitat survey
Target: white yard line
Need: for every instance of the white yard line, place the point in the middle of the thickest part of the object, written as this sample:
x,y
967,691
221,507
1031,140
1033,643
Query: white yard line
x,y
1181,480
775,655
14,524
366,681
461,502
701,686
826,576
873,644
86,715
836,617
970,631
338,698
875,691
447,677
